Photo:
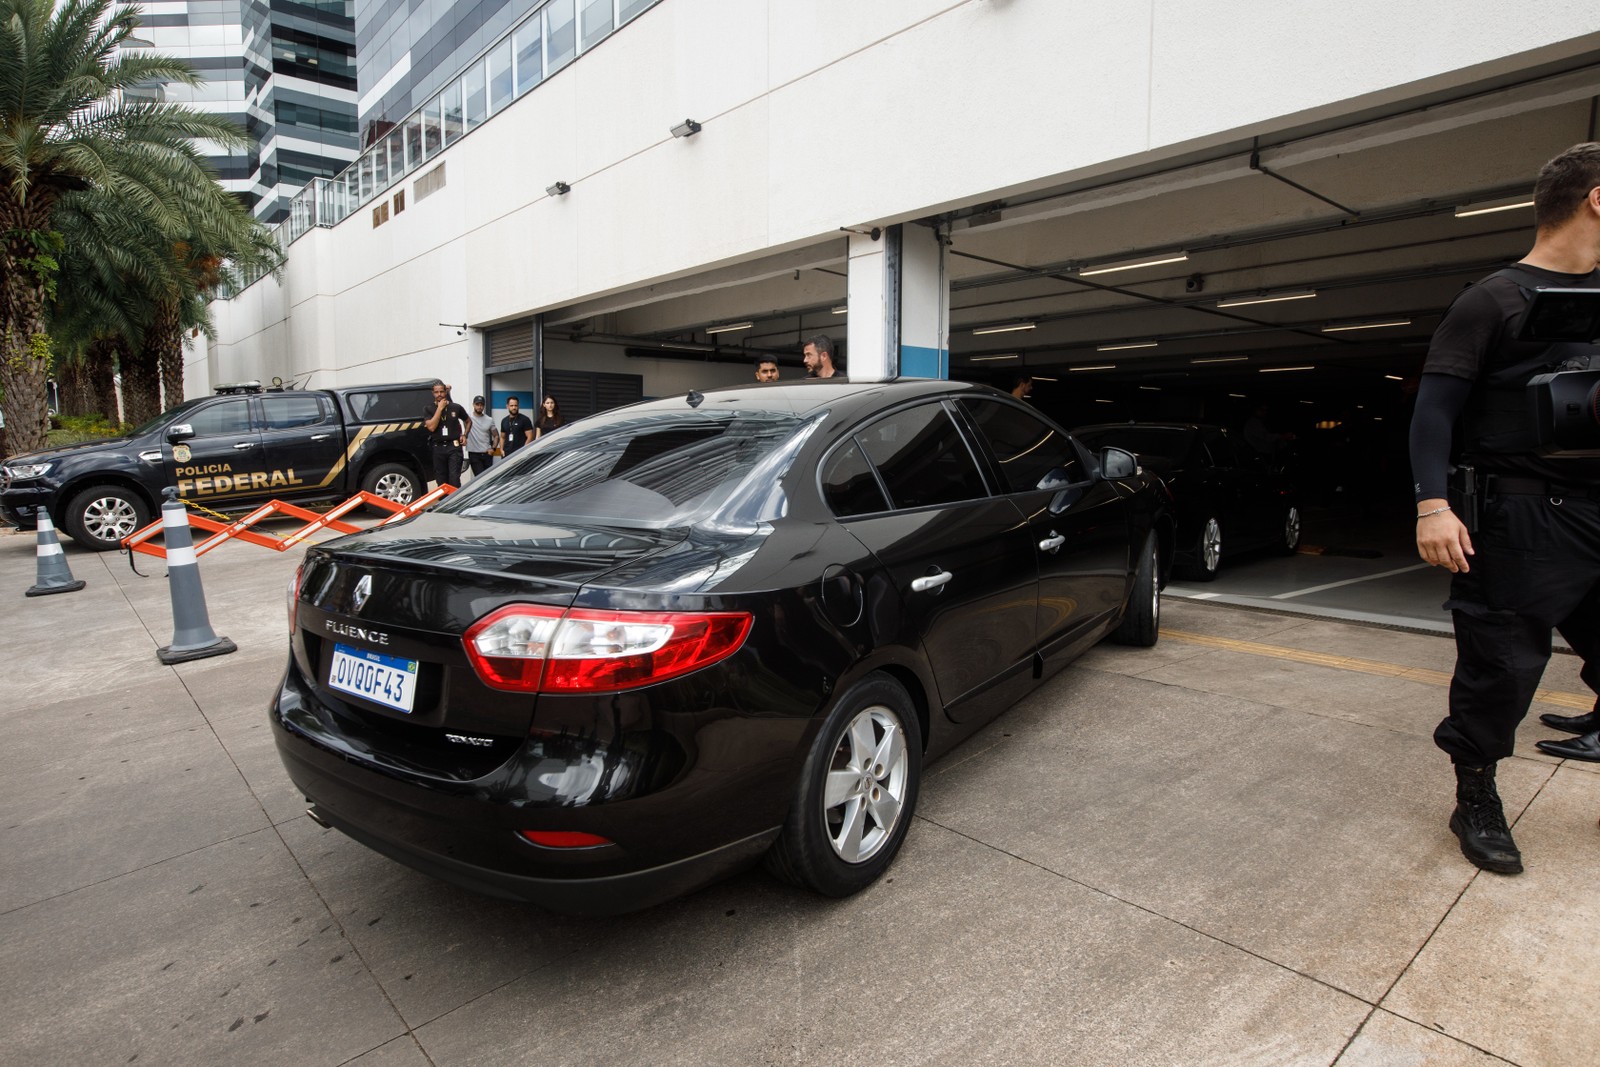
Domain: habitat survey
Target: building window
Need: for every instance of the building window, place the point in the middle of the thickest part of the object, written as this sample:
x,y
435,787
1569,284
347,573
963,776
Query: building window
x,y
476,97
529,48
450,101
500,77
560,35
597,21
380,214
399,201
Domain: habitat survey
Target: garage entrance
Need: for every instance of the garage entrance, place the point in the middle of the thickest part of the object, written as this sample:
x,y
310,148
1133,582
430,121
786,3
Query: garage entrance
x,y
1296,273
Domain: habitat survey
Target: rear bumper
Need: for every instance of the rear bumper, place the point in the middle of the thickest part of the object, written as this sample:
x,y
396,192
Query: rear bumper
x,y
466,831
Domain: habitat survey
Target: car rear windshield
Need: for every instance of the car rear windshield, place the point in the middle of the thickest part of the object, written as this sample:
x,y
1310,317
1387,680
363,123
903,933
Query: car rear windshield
x,y
642,469
1149,442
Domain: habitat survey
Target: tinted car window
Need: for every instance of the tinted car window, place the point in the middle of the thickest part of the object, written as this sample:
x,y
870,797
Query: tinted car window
x,y
1153,443
382,405
643,469
921,457
228,416
1028,448
848,484
283,412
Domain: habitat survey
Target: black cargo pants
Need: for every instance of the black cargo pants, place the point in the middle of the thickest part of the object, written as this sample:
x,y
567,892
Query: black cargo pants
x,y
1536,568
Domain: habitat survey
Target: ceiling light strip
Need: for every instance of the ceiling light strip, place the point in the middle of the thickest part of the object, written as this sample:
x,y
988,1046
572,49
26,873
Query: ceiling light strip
x,y
1365,325
1241,301
1134,264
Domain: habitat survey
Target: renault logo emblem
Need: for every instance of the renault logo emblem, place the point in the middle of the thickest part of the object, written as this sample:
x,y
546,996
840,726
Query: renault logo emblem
x,y
358,599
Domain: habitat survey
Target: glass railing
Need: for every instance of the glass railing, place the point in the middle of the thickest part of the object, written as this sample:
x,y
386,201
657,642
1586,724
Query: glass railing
x,y
554,34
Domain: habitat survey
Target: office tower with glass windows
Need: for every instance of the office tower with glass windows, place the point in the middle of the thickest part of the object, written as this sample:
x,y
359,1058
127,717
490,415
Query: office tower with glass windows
x,y
284,70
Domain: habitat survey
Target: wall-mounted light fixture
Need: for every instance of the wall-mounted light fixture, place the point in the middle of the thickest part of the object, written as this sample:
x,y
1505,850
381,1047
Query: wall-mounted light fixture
x,y
1134,264
459,327
558,189
686,128
729,327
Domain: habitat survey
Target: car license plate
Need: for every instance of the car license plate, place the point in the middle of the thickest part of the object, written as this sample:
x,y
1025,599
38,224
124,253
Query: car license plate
x,y
387,680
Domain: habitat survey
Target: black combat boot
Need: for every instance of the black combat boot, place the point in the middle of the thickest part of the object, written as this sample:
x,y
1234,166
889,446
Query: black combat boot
x,y
1480,822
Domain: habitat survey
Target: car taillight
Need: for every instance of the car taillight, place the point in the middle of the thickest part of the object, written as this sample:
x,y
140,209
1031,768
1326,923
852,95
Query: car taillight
x,y
530,649
294,597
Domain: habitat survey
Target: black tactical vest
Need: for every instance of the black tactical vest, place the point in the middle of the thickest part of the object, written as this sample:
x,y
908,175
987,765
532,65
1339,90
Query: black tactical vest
x,y
1499,418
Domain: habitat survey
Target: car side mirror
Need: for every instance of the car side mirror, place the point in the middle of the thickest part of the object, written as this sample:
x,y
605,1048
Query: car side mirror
x,y
1117,463
1054,478
180,432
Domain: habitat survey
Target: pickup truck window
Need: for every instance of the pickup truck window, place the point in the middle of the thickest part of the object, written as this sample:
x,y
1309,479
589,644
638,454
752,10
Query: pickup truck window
x,y
229,416
390,404
286,411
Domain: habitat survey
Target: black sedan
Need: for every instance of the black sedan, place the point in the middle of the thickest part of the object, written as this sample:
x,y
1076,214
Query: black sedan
x,y
1224,492
681,636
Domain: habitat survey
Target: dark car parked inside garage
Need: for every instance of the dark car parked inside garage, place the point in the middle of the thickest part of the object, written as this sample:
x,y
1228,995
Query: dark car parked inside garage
x,y
686,634
1225,493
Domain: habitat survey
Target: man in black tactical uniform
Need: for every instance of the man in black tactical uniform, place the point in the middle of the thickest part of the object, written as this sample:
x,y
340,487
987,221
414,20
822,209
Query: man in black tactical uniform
x,y
1535,556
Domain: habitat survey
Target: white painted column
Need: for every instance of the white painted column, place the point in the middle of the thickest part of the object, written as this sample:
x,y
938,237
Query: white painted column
x,y
924,304
899,305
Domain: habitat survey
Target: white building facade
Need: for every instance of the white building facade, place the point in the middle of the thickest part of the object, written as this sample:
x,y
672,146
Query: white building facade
x,y
844,151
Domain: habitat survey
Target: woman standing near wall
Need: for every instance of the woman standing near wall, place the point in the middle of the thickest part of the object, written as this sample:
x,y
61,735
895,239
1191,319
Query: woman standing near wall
x,y
549,417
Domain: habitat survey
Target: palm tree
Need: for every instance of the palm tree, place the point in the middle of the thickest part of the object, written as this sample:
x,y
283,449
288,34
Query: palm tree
x,y
65,125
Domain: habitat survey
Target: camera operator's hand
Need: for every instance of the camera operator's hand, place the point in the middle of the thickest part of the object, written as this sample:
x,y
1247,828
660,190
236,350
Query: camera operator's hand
x,y
1442,541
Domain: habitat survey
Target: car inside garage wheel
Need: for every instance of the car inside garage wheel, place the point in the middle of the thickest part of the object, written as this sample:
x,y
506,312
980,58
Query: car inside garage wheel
x,y
1141,623
856,794
100,517
1207,551
1291,531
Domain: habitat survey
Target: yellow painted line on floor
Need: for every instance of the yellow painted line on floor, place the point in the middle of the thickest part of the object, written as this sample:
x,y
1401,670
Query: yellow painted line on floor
x,y
1557,697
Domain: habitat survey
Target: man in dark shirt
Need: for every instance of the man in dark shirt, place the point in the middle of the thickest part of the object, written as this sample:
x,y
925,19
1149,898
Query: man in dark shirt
x,y
516,429
446,422
1533,564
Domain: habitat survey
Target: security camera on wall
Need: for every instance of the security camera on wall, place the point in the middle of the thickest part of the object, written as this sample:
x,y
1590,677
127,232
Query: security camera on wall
x,y
1194,283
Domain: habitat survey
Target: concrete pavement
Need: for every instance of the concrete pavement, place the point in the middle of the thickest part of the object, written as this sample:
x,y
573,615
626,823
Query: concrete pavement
x,y
1228,849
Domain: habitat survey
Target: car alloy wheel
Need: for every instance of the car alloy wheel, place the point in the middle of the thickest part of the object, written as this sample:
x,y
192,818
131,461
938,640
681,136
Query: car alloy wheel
x,y
109,518
396,487
1291,529
866,785
856,794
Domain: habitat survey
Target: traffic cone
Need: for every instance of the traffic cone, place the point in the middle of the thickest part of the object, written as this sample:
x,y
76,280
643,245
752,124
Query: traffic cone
x,y
54,574
192,636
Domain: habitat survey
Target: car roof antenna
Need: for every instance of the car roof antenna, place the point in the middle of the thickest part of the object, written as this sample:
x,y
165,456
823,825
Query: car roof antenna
x,y
695,398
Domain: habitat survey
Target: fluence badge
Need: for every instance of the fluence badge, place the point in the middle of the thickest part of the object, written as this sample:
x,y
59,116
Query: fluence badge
x,y
181,453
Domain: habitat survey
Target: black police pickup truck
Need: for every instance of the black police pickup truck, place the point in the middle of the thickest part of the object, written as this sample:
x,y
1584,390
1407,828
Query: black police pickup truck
x,y
230,451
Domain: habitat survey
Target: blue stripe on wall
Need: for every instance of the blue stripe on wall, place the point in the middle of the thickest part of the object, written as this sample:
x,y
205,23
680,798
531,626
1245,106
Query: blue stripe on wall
x,y
919,362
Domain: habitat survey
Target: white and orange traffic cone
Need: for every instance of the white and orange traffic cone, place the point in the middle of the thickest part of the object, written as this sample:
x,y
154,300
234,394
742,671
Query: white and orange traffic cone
x,y
192,636
54,574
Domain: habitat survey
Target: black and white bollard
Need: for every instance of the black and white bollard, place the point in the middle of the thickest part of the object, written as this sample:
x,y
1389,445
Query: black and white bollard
x,y
54,576
192,636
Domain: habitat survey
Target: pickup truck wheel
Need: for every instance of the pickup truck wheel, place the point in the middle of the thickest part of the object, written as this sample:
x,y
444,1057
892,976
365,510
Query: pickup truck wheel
x,y
100,517
392,481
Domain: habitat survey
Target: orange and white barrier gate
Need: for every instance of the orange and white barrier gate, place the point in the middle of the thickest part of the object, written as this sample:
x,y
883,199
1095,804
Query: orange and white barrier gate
x,y
240,529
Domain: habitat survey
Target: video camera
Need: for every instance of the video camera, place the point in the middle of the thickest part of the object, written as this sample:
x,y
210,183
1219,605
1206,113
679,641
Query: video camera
x,y
1565,403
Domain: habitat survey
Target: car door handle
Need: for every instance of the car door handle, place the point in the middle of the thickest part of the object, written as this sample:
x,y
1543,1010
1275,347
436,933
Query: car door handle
x,y
321,436
930,581
1052,543
243,445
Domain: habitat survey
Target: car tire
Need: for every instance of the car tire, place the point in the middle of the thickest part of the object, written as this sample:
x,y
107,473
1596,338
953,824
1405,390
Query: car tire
x,y
1207,551
392,481
1289,542
867,760
101,516
1141,622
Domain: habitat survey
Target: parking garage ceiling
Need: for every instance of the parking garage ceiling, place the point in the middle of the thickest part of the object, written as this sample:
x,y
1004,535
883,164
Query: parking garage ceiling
x,y
1336,246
